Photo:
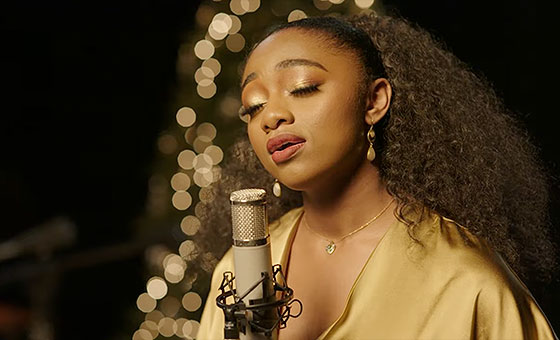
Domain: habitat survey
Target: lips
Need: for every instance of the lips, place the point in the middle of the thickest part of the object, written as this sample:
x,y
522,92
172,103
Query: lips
x,y
284,147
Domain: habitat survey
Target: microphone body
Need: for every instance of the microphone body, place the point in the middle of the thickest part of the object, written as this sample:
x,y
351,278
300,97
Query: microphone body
x,y
252,258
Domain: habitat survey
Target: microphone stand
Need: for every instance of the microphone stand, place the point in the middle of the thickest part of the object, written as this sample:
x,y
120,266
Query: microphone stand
x,y
256,315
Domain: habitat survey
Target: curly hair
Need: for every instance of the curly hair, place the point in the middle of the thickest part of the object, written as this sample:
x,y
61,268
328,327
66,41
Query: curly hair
x,y
448,144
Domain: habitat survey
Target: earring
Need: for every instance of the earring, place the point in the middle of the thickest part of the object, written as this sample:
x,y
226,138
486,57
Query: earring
x,y
276,188
371,139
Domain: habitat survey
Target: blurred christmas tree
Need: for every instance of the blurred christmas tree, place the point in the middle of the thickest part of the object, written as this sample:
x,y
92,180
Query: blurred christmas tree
x,y
203,119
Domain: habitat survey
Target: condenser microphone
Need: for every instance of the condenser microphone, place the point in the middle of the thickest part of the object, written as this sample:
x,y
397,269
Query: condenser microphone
x,y
252,258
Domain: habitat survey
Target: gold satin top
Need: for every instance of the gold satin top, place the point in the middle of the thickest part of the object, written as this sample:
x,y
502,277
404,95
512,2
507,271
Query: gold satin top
x,y
440,288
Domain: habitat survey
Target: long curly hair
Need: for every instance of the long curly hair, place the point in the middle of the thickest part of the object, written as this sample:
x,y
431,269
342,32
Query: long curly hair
x,y
447,145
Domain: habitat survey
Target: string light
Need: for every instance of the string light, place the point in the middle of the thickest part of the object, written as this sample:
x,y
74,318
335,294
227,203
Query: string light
x,y
204,49
167,327
142,334
186,116
185,159
213,64
181,200
151,327
145,303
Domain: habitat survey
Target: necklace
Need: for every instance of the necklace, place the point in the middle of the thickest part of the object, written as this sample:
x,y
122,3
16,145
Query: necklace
x,y
331,247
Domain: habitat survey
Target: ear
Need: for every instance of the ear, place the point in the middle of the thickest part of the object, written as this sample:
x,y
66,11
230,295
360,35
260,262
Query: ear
x,y
378,100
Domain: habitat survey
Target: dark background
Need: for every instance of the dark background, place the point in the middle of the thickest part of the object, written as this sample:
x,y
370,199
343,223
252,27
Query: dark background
x,y
86,91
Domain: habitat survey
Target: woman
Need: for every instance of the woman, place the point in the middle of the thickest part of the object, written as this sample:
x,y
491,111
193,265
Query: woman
x,y
412,178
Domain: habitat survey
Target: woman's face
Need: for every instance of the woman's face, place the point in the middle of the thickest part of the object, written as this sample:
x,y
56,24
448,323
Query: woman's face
x,y
306,117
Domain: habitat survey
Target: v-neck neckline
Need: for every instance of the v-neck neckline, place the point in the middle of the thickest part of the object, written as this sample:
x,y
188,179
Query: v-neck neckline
x,y
287,248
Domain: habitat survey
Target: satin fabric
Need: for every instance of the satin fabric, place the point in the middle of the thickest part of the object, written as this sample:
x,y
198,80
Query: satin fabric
x,y
437,287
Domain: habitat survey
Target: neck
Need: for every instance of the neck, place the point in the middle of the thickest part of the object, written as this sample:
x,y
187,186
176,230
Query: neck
x,y
343,205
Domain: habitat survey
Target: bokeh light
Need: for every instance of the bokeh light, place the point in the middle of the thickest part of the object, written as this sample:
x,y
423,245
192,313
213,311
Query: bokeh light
x,y
142,334
156,287
190,328
364,3
167,327
207,129
185,159
190,225
215,153
206,88
181,200
180,324
206,195
203,73
154,316
336,2
296,14
187,250
322,5
236,8
146,303
214,65
180,181
186,116
201,143
204,49
235,24
170,306
191,301
235,42
151,327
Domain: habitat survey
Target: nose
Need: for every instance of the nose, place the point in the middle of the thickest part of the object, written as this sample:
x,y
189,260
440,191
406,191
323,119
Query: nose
x,y
275,115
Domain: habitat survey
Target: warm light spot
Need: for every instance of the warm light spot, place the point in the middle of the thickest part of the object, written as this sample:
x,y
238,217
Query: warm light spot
x,y
215,153
215,34
191,301
190,328
202,73
190,225
201,143
180,181
322,5
187,249
180,323
236,8
185,159
187,283
173,273
181,200
142,334
170,306
167,327
250,5
190,135
235,42
364,3
206,129
167,144
172,258
154,316
204,49
186,116
203,178
336,2
214,65
206,88
222,23
235,24
145,303
156,287
202,162
296,14
151,327
206,195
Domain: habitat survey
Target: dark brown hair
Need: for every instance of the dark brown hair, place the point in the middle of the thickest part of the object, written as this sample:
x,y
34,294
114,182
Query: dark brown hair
x,y
448,144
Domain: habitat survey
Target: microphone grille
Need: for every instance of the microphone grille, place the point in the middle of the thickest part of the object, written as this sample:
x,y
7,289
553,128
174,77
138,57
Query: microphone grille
x,y
248,215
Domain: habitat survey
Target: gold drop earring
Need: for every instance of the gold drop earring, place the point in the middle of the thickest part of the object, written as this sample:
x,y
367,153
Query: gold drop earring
x,y
276,188
371,139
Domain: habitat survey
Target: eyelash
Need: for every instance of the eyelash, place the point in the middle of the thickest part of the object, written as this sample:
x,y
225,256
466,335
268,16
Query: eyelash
x,y
299,92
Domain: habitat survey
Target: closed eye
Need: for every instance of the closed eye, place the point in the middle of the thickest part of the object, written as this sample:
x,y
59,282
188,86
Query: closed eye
x,y
302,91
251,110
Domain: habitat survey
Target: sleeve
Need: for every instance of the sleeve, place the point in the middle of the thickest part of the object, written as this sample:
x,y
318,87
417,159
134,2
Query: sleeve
x,y
212,321
506,310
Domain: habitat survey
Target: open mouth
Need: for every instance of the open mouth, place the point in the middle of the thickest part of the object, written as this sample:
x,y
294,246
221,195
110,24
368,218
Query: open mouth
x,y
286,151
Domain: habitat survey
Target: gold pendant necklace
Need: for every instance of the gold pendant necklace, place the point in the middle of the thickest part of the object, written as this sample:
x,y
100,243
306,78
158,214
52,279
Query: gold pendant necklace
x,y
331,247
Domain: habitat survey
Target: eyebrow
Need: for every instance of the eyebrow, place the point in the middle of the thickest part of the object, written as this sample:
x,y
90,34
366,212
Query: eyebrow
x,y
285,64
